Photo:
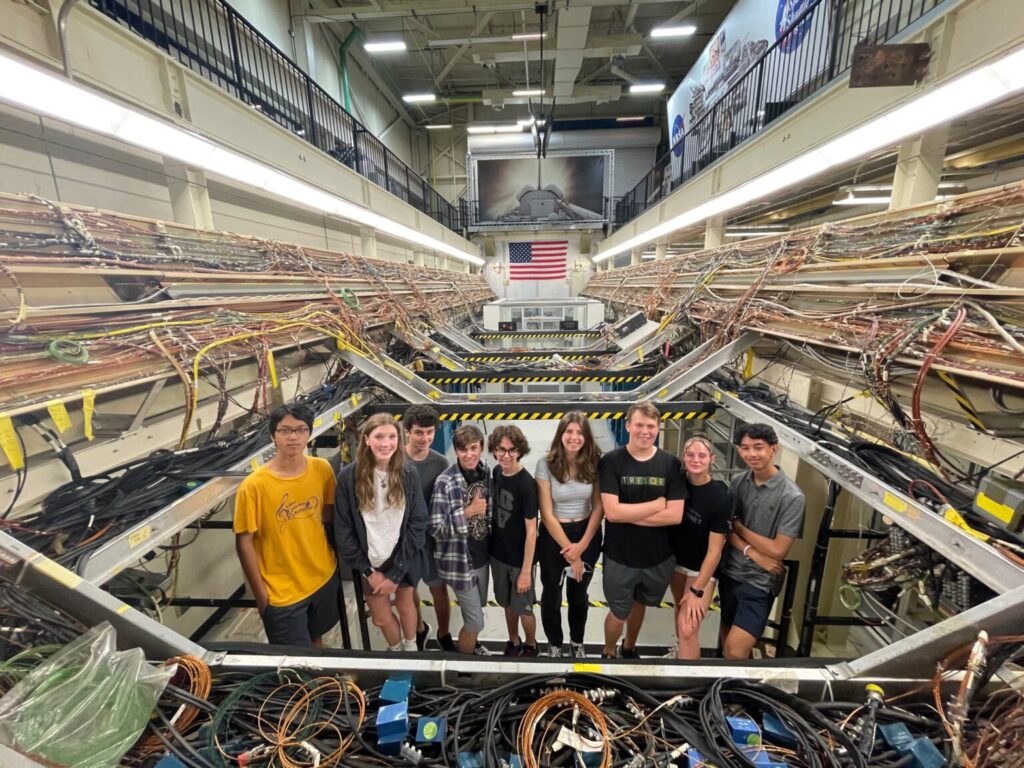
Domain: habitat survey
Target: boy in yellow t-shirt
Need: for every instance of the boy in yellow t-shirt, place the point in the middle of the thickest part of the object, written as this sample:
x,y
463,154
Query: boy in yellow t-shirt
x,y
280,510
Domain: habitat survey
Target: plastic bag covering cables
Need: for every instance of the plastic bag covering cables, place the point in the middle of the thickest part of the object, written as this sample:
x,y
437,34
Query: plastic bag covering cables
x,y
85,706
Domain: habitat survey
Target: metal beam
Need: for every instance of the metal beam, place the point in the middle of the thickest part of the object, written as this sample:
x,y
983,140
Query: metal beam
x,y
693,367
919,653
426,345
532,375
457,56
393,376
976,557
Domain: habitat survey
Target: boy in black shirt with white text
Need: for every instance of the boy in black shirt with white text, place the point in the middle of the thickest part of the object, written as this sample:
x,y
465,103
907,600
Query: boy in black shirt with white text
x,y
643,492
514,537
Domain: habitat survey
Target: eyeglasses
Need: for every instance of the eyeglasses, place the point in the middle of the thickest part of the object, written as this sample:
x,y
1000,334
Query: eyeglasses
x,y
506,451
288,431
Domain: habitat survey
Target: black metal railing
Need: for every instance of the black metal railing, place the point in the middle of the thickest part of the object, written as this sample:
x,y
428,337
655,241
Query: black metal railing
x,y
213,40
817,47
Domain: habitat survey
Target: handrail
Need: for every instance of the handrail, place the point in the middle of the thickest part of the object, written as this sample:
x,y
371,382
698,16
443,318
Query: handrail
x,y
774,83
213,40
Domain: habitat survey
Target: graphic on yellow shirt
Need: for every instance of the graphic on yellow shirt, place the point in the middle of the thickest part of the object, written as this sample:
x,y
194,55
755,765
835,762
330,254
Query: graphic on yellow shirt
x,y
289,510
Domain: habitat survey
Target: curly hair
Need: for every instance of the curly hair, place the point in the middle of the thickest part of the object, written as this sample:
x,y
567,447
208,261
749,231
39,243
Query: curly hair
x,y
365,464
586,460
515,436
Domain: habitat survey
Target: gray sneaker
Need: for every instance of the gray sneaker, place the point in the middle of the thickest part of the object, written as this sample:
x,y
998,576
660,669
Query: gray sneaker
x,y
579,650
555,651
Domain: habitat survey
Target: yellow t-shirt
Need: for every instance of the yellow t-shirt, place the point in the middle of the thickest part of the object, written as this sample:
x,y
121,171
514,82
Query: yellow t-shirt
x,y
285,516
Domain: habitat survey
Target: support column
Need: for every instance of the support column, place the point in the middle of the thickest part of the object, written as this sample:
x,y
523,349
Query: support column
x,y
367,243
714,232
190,199
659,251
919,168
636,256
418,258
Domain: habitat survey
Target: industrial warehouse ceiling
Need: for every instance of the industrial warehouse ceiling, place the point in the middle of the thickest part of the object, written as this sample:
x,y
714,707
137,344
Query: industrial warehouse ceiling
x,y
463,52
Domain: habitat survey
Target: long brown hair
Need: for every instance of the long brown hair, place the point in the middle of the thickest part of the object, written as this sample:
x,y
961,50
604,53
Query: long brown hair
x,y
365,464
586,460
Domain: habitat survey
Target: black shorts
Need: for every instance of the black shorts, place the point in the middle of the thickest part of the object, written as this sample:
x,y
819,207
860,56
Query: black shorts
x,y
744,605
301,622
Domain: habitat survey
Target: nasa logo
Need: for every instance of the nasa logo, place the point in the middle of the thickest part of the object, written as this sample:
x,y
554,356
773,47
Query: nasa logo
x,y
677,136
788,11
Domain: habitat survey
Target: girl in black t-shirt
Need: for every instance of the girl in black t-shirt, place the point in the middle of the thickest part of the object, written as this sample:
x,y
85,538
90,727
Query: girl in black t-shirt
x,y
697,543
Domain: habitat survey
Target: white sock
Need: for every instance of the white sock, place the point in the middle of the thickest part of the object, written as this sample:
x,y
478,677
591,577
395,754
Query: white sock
x,y
395,648
409,645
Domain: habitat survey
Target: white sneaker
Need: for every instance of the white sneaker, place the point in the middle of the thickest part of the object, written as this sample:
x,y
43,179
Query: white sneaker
x,y
554,651
579,650
409,645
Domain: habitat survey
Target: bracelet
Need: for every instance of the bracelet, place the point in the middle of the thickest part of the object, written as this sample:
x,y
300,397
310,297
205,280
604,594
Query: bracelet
x,y
746,549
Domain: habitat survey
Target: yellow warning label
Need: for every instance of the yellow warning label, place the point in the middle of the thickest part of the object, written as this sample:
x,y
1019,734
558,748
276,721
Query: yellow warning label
x,y
994,508
137,537
894,502
587,668
88,408
10,443
59,414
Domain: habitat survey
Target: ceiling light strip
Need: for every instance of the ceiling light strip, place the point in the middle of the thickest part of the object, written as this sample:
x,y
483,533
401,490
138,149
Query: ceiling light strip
x,y
964,94
42,92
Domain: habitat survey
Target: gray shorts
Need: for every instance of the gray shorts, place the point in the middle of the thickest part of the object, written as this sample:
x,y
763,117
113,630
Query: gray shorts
x,y
505,592
624,585
305,620
472,601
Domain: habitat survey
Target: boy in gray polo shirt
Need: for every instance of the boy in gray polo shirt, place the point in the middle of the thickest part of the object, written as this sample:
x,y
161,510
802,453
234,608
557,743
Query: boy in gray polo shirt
x,y
769,517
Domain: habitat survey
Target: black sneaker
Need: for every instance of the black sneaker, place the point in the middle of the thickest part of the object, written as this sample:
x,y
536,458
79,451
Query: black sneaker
x,y
481,650
421,636
528,650
513,650
446,643
628,653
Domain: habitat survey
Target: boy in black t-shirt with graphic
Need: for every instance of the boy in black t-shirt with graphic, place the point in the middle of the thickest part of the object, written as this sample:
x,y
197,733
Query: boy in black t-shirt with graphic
x,y
643,492
514,537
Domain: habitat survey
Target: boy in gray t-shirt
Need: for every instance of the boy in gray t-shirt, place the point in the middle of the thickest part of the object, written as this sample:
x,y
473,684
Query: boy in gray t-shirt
x,y
769,517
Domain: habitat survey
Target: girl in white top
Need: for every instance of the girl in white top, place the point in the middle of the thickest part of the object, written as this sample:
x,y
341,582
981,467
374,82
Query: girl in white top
x,y
570,539
380,524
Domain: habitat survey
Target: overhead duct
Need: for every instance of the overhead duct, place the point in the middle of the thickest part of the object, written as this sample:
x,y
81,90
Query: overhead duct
x,y
573,29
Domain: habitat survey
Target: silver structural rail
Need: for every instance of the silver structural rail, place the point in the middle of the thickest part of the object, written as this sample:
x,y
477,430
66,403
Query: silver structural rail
x,y
973,555
106,561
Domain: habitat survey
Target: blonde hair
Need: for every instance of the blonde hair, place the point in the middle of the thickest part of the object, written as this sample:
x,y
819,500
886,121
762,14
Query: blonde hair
x,y
365,464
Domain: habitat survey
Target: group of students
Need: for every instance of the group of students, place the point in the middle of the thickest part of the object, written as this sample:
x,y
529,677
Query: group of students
x,y
398,515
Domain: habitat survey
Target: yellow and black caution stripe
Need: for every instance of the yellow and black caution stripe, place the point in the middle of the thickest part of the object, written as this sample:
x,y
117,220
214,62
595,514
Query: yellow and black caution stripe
x,y
962,400
683,410
500,335
504,357
525,376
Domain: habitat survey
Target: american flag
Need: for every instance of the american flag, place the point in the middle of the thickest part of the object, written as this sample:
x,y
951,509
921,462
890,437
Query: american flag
x,y
537,260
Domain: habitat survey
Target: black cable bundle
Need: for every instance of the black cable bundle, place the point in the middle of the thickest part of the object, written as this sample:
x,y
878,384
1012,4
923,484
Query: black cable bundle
x,y
28,622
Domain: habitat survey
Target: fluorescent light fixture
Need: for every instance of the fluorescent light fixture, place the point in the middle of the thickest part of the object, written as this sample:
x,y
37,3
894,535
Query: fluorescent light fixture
x,y
960,96
437,126
631,119
42,92
528,92
529,36
647,88
852,199
503,128
528,121
384,46
419,98
680,30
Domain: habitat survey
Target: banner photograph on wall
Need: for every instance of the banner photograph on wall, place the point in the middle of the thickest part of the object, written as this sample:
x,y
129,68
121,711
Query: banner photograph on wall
x,y
571,189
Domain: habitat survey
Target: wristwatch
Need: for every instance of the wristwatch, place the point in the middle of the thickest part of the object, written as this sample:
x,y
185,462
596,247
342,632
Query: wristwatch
x,y
368,572
697,592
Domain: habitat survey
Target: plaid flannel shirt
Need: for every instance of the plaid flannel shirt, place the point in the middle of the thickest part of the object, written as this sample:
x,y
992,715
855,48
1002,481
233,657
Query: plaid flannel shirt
x,y
449,529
